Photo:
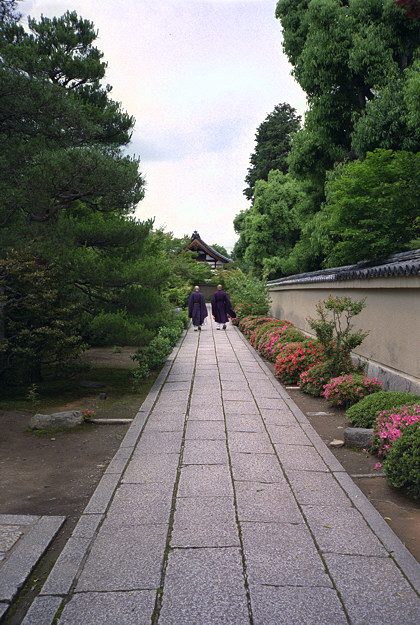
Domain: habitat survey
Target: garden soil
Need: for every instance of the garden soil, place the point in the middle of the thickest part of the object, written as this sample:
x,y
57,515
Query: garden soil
x,y
56,474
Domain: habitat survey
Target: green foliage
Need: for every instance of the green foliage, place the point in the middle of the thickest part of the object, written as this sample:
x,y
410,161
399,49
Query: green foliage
x,y
372,206
364,413
248,295
108,328
270,227
41,327
402,463
219,248
333,329
273,139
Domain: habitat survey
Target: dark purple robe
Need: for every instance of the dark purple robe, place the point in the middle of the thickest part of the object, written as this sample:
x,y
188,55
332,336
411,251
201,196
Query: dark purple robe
x,y
197,308
221,307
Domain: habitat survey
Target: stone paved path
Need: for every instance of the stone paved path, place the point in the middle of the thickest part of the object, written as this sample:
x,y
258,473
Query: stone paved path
x,y
223,506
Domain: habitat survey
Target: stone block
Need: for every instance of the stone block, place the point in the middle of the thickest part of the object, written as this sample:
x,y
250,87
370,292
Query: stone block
x,y
151,469
140,504
358,437
256,468
300,458
64,419
287,434
125,559
317,488
65,569
42,611
205,430
342,530
205,452
205,481
250,442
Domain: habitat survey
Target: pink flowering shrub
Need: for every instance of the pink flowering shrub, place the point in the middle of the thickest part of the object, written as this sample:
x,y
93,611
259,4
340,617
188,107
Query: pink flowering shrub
x,y
402,462
270,324
348,389
294,358
389,425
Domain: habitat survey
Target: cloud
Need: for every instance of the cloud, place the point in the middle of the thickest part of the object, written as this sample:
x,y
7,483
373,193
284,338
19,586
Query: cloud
x,y
199,77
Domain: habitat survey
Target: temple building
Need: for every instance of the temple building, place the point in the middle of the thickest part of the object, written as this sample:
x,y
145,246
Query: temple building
x,y
206,253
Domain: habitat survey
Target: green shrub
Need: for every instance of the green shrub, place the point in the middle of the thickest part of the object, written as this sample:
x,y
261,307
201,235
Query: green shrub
x,y
402,463
364,413
183,317
157,351
117,328
248,295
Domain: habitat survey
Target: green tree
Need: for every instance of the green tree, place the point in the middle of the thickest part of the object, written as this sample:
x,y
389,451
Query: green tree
x,y
222,250
343,53
273,139
68,191
270,227
372,207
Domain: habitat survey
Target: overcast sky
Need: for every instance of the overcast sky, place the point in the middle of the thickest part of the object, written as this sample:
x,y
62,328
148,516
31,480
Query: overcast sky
x,y
199,77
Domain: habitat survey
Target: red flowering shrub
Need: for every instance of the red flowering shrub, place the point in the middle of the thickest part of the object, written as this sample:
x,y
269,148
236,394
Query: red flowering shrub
x,y
270,324
314,379
248,324
348,389
294,358
271,341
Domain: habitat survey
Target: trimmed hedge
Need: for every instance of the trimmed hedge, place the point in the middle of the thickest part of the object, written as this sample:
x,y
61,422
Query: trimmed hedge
x,y
365,412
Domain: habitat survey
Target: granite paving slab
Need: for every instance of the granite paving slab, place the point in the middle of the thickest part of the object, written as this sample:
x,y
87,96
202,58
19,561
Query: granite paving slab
x,y
268,503
250,442
300,457
282,554
205,452
151,469
386,597
342,530
205,481
140,504
287,434
256,468
204,587
244,423
129,559
205,430
275,605
133,607
205,522
317,488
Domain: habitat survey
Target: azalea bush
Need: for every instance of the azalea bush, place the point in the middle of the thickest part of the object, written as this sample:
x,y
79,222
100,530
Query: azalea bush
x,y
365,412
294,358
272,324
389,426
314,379
402,463
271,341
346,390
248,324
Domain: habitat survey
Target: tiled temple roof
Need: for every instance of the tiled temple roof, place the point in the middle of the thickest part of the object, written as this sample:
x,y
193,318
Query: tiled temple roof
x,y
205,247
401,264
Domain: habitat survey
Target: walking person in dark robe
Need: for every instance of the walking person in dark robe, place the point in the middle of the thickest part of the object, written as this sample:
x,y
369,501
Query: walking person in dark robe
x,y
221,308
197,308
